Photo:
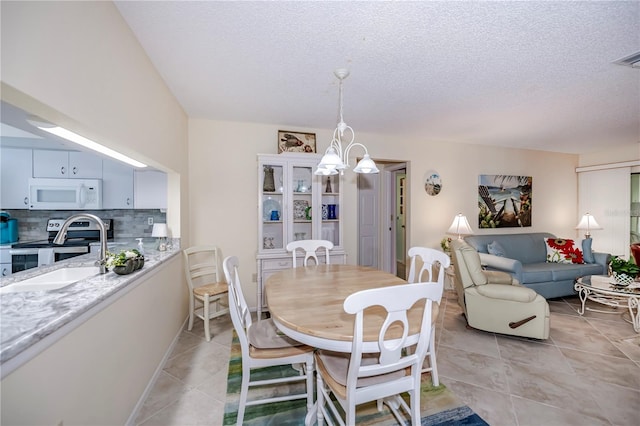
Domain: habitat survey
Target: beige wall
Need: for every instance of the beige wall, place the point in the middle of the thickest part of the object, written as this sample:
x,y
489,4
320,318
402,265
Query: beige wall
x,y
78,64
224,190
617,154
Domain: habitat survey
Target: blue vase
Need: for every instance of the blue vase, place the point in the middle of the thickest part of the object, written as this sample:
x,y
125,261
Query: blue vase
x,y
332,211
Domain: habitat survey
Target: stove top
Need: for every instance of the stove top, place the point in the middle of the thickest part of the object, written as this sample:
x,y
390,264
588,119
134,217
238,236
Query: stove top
x,y
81,233
47,244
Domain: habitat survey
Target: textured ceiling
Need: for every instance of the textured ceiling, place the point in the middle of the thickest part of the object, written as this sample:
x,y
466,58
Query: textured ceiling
x,y
520,74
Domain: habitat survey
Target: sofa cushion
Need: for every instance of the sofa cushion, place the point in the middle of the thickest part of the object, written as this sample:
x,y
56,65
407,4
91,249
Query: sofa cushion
x,y
495,249
561,272
536,273
563,250
526,248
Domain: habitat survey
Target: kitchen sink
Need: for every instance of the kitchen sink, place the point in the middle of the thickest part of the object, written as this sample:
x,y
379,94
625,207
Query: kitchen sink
x,y
53,280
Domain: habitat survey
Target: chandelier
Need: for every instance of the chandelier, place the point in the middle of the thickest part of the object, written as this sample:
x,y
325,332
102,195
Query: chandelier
x,y
335,159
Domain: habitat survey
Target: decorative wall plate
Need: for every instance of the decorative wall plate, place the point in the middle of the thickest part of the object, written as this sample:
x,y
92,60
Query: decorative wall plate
x,y
432,183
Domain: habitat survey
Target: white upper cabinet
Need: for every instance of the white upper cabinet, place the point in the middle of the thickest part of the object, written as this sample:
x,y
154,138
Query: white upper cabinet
x,y
150,189
66,164
14,179
117,185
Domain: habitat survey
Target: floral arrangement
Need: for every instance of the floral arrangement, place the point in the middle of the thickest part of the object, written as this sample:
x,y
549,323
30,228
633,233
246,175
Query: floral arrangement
x,y
125,262
445,244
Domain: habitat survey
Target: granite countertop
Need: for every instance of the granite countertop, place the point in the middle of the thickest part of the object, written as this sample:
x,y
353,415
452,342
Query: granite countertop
x,y
28,317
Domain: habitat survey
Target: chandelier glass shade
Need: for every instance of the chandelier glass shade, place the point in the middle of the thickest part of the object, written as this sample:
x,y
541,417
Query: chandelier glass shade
x,y
335,160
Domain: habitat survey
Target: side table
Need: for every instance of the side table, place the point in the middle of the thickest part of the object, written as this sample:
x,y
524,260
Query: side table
x,y
450,278
600,289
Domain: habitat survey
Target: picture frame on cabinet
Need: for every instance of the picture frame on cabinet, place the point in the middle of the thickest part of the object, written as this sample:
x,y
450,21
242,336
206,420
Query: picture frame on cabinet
x,y
289,141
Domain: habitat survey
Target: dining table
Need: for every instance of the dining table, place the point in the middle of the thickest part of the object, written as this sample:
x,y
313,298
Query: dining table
x,y
306,304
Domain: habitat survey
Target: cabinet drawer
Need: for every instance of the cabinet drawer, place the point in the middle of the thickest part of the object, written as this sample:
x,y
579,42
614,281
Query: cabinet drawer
x,y
277,264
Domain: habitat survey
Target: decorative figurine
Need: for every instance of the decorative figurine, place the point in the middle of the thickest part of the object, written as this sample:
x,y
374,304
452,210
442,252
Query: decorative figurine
x,y
328,188
269,184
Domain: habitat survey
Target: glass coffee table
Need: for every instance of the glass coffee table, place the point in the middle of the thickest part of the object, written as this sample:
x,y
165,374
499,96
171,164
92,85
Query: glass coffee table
x,y
603,290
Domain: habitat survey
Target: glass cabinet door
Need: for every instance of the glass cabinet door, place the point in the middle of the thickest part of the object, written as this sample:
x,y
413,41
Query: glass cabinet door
x,y
330,229
302,203
273,236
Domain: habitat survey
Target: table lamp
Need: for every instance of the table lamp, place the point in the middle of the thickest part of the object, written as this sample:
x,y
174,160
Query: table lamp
x,y
160,232
588,222
460,226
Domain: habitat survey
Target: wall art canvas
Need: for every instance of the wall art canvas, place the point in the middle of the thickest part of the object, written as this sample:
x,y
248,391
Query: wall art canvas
x,y
504,201
296,142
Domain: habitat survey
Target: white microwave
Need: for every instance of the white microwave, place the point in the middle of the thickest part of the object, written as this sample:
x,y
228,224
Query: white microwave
x,y
65,194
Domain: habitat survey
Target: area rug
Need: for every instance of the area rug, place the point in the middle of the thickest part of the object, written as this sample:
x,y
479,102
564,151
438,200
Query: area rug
x,y
439,406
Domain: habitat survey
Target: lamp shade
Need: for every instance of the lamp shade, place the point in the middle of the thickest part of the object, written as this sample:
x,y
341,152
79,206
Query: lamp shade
x,y
159,230
460,226
588,222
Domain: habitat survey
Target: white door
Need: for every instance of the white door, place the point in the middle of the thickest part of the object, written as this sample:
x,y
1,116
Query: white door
x,y
400,222
376,217
368,220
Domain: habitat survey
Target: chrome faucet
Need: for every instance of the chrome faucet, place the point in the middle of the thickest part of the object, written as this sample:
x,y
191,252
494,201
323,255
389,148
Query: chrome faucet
x,y
102,254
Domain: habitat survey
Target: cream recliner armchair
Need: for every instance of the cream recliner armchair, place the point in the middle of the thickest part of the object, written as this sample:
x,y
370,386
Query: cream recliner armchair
x,y
495,301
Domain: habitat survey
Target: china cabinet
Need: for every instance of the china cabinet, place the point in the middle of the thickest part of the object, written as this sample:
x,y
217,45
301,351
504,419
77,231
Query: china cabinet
x,y
294,204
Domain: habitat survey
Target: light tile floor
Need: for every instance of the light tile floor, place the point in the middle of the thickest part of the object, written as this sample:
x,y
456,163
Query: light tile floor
x,y
587,373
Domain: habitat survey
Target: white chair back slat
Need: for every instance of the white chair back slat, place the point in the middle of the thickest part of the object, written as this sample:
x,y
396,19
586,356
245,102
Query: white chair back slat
x,y
309,248
431,259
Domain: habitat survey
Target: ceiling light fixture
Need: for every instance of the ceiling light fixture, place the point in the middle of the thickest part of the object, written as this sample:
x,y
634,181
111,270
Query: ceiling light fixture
x,y
632,60
81,140
335,159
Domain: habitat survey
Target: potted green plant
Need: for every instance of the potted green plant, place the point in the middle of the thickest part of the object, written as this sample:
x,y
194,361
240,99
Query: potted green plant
x,y
125,262
623,271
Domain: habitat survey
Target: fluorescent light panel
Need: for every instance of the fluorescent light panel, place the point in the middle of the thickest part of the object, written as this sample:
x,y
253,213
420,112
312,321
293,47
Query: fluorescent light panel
x,y
88,143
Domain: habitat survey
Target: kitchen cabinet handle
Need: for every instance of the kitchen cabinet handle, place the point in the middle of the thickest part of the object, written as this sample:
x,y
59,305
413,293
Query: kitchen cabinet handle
x,y
62,170
26,200
4,272
75,170
128,201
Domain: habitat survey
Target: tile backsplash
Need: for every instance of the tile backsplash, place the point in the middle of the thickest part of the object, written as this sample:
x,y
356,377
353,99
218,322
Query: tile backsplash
x,y
32,224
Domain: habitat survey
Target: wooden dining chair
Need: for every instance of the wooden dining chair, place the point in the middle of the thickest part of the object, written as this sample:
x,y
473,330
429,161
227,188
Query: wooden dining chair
x,y
310,247
263,346
207,292
431,260
361,377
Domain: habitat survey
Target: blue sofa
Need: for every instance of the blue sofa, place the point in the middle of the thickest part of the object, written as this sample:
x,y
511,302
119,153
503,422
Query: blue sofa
x,y
525,257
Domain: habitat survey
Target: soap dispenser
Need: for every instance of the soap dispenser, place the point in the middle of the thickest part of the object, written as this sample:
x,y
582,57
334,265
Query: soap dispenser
x,y
140,246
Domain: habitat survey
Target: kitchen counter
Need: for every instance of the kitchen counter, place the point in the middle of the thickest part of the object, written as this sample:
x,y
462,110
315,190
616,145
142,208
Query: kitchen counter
x,y
31,321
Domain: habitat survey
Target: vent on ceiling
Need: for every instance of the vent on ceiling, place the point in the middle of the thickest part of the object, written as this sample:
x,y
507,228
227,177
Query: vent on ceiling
x,y
632,60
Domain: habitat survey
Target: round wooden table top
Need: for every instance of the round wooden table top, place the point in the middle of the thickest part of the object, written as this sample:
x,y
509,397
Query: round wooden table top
x,y
306,303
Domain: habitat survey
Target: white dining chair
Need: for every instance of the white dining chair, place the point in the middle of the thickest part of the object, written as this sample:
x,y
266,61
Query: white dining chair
x,y
262,346
431,260
310,247
207,292
360,377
